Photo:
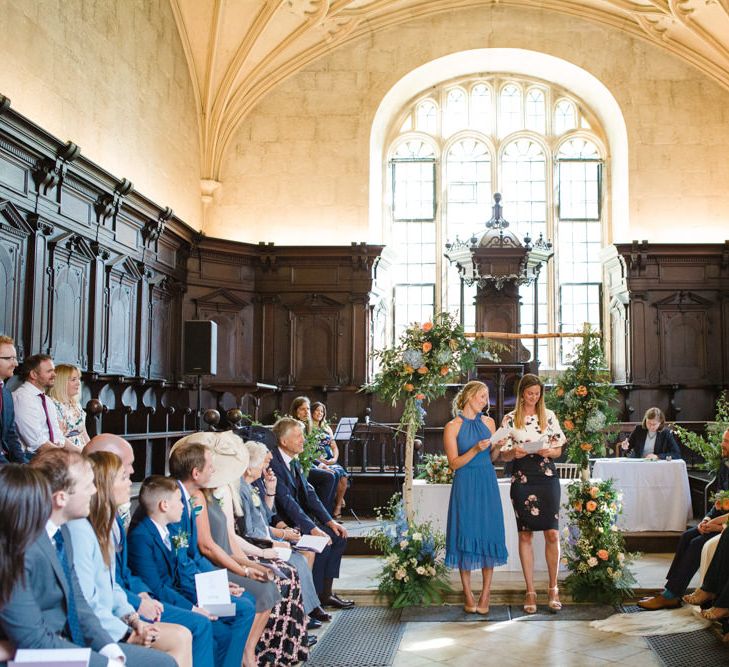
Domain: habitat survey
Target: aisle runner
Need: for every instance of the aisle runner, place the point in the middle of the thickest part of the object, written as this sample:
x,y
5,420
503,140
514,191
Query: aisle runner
x,y
360,637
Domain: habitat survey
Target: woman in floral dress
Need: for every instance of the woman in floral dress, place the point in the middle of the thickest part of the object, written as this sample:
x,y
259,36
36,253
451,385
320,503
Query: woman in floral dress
x,y
65,394
535,490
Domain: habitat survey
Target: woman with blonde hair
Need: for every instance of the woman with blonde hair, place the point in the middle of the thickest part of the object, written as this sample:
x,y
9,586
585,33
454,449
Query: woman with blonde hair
x,y
65,394
535,490
475,532
95,563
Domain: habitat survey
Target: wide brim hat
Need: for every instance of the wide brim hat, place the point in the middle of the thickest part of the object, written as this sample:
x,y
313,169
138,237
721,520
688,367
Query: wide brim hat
x,y
230,456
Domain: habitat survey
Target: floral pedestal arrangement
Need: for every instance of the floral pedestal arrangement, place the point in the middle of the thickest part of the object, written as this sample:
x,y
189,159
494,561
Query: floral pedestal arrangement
x,y
413,572
434,469
592,548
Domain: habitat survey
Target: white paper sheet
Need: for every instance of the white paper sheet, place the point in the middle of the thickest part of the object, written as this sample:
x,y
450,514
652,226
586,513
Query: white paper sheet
x,y
45,657
499,434
534,446
213,593
283,553
312,543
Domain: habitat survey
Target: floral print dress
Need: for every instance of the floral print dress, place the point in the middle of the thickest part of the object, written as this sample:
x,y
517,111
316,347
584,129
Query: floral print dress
x,y
535,491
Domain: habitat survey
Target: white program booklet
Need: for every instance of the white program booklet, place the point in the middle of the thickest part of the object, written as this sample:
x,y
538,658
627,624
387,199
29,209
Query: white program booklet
x,y
533,446
53,657
500,434
283,553
313,543
213,593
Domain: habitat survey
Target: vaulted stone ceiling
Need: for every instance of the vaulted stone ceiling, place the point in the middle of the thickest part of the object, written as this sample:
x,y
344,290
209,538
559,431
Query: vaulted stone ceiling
x,y
237,50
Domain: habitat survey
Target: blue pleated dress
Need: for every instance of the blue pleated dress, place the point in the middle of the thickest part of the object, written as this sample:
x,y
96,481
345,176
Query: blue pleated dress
x,y
475,533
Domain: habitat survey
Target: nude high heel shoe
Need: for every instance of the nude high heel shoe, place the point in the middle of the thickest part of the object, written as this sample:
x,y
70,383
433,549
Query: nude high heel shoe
x,y
530,607
554,604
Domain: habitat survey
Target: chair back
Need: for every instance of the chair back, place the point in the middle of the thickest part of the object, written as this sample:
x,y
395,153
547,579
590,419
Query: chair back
x,y
568,470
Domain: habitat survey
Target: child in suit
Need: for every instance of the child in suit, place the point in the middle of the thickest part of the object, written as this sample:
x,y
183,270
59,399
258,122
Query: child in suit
x,y
162,560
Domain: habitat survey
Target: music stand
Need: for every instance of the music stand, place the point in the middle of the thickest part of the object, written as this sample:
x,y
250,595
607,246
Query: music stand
x,y
343,432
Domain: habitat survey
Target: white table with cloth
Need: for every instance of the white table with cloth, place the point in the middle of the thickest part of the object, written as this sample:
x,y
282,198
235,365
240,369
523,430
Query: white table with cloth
x,y
431,504
656,494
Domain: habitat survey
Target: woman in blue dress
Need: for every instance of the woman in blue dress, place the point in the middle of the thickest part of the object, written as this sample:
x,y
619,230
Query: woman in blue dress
x,y
475,533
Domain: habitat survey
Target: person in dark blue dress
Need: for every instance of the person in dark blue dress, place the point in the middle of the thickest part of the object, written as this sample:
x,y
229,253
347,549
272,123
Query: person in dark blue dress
x,y
475,532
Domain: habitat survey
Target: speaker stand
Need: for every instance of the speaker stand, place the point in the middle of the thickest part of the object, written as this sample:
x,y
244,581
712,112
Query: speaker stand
x,y
198,414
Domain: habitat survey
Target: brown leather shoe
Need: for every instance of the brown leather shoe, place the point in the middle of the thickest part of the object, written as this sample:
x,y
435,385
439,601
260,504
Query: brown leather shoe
x,y
659,602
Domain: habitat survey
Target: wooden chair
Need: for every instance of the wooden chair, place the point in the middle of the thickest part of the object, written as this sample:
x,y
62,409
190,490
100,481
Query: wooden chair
x,y
568,470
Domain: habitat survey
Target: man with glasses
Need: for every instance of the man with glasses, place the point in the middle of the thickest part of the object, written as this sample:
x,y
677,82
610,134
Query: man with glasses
x,y
10,447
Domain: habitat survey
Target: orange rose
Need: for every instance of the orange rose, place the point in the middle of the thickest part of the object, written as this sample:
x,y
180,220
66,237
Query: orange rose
x,y
444,370
423,370
409,368
569,425
591,506
725,504
594,491
585,446
427,347
560,391
578,506
581,390
408,387
427,326
420,397
603,554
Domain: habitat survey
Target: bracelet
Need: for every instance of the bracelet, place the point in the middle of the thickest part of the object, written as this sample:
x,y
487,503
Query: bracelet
x,y
271,495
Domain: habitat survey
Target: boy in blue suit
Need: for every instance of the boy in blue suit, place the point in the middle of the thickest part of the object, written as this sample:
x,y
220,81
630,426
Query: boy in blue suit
x,y
160,557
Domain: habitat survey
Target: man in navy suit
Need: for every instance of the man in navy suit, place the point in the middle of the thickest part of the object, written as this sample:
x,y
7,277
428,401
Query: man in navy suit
x,y
688,553
298,505
10,447
160,556
138,592
48,609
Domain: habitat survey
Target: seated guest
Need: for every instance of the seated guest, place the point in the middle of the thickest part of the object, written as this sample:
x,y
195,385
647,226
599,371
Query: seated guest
x,y
25,505
714,590
35,416
160,557
48,609
298,505
330,454
688,554
284,640
10,447
651,439
136,590
65,394
94,563
253,519
319,476
191,463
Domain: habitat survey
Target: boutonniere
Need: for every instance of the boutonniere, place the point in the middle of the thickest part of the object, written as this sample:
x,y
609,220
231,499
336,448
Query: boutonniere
x,y
180,540
219,496
256,498
195,507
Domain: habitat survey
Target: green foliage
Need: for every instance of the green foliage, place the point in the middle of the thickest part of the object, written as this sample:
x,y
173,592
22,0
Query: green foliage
x,y
312,449
709,448
592,547
435,469
413,572
426,359
582,401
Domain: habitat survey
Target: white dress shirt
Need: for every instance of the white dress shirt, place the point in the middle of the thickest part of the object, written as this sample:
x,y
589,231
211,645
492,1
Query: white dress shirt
x,y
164,533
30,418
112,652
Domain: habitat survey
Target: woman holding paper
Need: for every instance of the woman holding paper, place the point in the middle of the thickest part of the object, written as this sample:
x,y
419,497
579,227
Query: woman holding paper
x,y
475,532
537,440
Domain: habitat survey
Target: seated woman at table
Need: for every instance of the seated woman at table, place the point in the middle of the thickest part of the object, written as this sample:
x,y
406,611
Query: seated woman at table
x,y
535,490
651,440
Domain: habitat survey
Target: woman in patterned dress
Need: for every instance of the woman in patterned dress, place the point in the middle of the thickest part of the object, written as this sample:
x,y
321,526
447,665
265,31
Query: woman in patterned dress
x,y
535,491
65,394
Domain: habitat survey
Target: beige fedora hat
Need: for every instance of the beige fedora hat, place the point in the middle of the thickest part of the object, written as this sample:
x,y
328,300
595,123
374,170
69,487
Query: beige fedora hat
x,y
230,456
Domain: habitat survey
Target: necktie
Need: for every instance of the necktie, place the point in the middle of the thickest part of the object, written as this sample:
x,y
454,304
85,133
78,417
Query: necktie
x,y
51,435
74,627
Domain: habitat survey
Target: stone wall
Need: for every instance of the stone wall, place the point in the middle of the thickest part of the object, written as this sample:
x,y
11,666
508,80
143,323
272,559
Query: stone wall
x,y
298,168
112,78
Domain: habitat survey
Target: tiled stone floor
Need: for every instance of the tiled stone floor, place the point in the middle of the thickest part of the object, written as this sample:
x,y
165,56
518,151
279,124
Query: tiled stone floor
x,y
517,642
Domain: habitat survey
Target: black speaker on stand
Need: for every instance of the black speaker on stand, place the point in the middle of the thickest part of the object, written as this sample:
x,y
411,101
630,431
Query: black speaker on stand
x,y
200,355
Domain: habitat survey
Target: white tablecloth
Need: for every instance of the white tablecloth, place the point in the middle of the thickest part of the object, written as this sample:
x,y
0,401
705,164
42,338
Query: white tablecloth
x,y
656,494
431,504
